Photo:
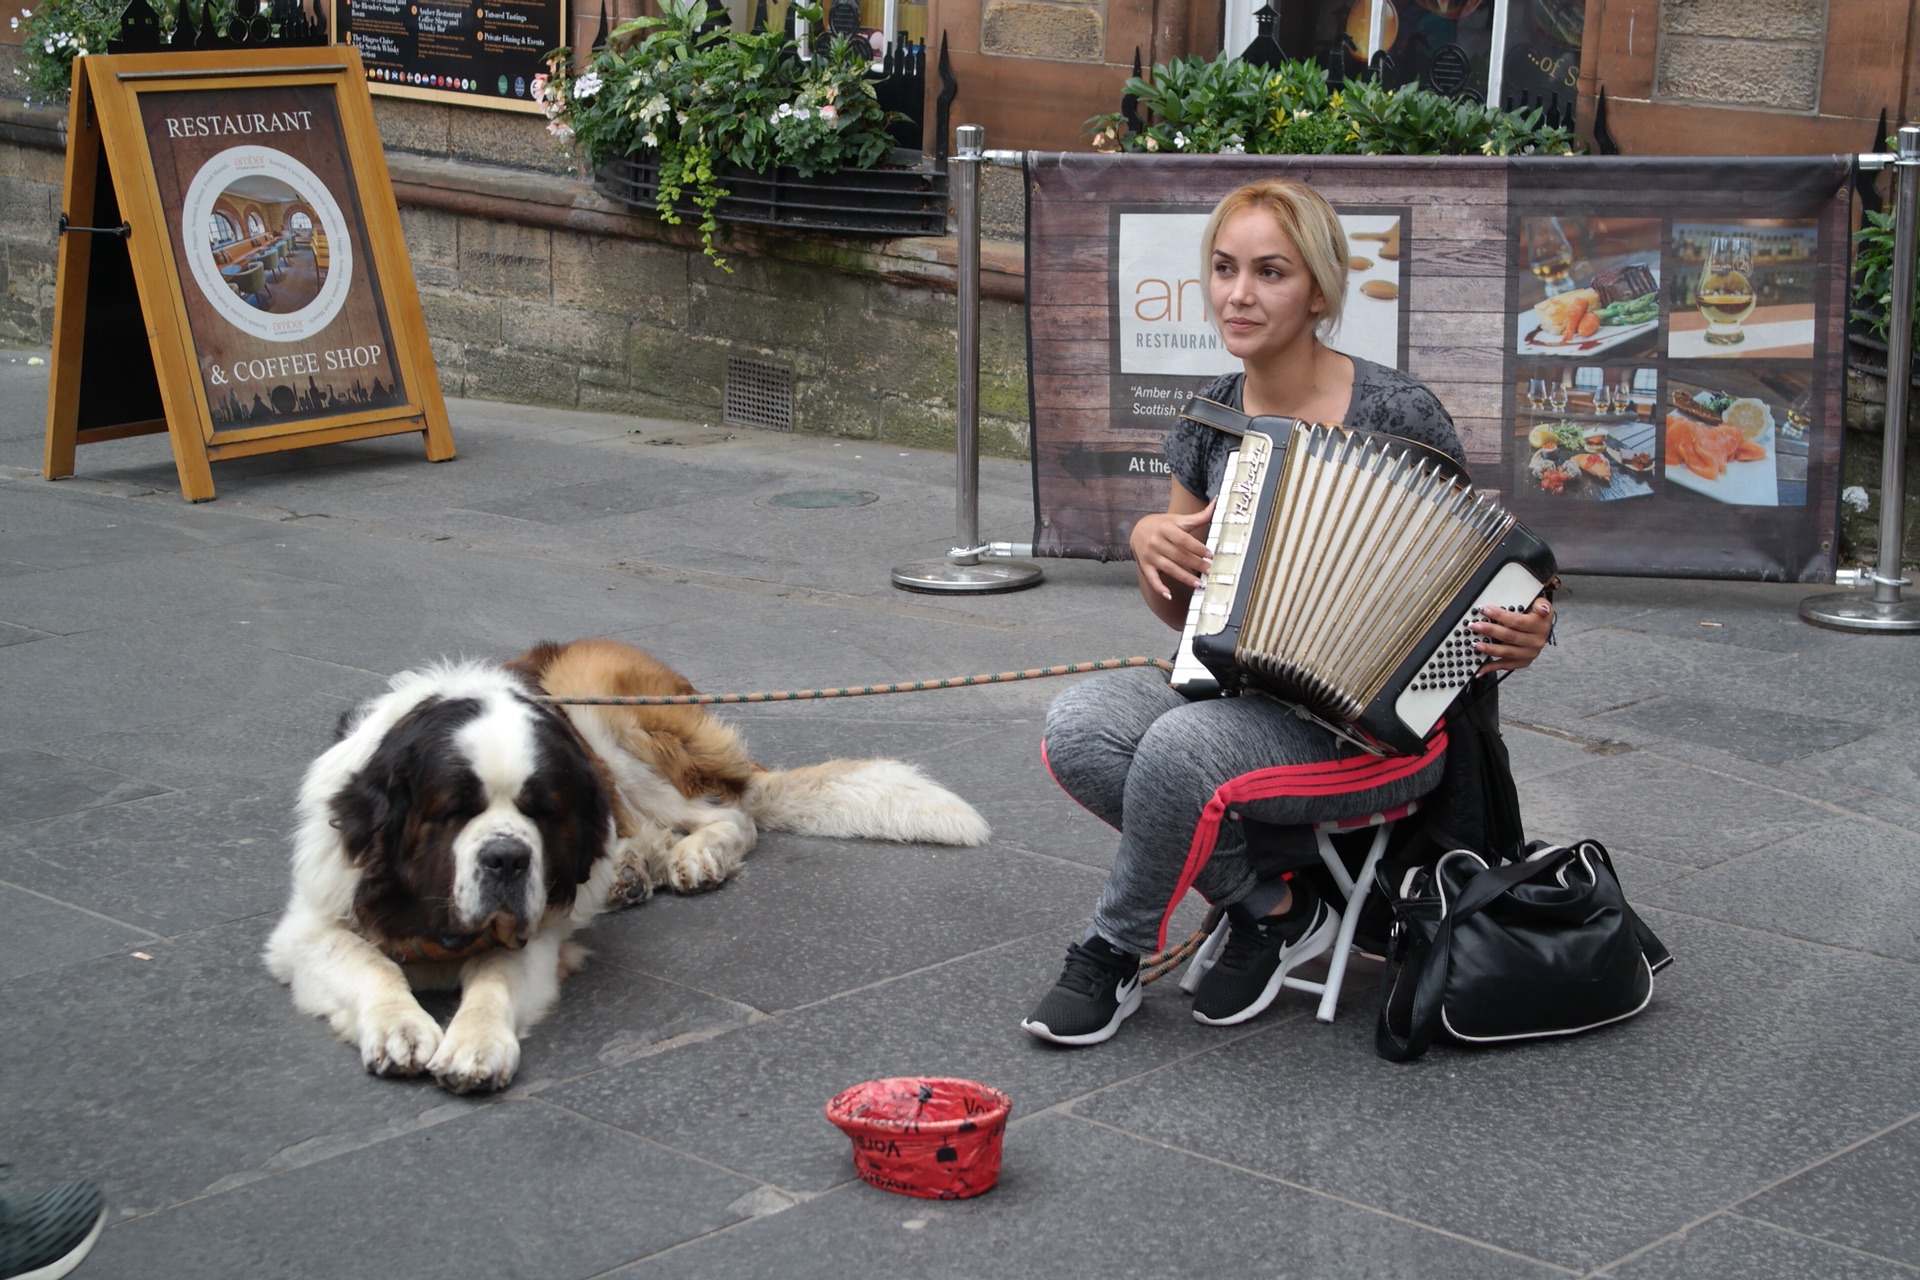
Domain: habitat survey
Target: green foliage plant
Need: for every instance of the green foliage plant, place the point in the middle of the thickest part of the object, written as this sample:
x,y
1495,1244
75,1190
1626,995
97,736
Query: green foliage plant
x,y
1228,105
56,32
52,35
701,96
1873,274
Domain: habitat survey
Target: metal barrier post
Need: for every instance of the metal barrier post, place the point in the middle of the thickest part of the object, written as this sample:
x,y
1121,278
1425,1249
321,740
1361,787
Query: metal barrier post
x,y
1886,611
963,570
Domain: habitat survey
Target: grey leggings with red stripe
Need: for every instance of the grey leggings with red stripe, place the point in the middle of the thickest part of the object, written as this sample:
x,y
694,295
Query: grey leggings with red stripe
x,y
1177,778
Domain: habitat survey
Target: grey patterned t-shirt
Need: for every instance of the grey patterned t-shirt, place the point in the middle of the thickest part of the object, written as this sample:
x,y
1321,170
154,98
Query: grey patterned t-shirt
x,y
1384,400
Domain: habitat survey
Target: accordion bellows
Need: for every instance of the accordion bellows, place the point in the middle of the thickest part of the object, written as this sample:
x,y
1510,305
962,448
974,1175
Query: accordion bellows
x,y
1347,567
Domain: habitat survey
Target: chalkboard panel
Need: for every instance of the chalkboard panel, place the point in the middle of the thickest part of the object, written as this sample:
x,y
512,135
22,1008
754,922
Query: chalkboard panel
x,y
478,53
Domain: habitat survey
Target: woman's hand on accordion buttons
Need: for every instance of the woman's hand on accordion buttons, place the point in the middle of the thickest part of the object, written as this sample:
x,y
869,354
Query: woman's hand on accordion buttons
x,y
1170,550
1512,638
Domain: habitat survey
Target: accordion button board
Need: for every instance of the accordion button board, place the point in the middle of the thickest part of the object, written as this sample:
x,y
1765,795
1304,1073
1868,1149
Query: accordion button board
x,y
1347,569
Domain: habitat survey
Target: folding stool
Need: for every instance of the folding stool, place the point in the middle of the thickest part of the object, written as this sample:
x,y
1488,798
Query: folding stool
x,y
1353,888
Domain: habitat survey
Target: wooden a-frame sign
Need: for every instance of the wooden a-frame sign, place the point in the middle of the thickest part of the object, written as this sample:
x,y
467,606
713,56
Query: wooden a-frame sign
x,y
231,267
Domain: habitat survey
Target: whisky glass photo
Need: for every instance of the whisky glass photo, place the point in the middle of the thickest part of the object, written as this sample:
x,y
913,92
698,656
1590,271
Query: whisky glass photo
x,y
1725,294
1549,254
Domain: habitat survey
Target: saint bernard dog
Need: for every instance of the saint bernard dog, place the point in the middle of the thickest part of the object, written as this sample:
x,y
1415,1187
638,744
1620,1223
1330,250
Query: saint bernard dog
x,y
461,829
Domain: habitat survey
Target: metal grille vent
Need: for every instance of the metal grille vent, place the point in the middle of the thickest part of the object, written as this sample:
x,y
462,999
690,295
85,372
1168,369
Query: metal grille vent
x,y
759,394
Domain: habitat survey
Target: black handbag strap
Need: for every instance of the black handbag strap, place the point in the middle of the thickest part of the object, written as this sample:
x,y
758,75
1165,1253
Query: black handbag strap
x,y
1658,957
1431,982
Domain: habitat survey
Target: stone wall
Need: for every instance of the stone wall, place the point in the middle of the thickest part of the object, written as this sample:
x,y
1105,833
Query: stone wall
x,y
32,173
1733,53
536,290
1864,455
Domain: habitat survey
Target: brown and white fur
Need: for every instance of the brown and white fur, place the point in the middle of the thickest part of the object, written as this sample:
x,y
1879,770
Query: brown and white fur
x,y
461,829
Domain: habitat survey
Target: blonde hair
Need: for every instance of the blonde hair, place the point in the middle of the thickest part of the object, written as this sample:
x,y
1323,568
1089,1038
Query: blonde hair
x,y
1309,222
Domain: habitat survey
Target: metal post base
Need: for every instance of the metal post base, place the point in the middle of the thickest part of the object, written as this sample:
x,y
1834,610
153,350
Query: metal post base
x,y
944,576
1859,611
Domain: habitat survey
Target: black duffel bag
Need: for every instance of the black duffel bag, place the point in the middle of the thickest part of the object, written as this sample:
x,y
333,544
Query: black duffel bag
x,y
1544,946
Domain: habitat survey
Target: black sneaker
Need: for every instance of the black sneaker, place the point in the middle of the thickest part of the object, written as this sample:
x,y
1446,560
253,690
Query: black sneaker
x,y
47,1236
1246,977
1098,990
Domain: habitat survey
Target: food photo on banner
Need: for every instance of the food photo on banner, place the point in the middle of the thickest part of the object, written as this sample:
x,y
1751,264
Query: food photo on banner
x,y
285,308
1696,308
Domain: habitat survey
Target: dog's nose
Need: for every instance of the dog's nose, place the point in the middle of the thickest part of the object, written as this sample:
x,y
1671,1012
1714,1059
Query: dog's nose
x,y
505,858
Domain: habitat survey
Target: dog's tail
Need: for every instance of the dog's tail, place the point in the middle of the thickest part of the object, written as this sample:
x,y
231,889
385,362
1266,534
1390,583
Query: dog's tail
x,y
874,799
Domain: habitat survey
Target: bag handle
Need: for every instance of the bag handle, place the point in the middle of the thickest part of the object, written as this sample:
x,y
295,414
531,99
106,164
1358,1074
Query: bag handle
x,y
1432,984
1658,957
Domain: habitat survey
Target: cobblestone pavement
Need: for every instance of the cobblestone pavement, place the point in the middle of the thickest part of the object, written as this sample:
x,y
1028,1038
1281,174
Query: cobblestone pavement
x,y
167,669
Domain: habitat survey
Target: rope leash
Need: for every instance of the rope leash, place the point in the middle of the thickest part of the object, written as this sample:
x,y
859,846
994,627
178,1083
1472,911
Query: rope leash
x,y
859,691
1161,963
1155,966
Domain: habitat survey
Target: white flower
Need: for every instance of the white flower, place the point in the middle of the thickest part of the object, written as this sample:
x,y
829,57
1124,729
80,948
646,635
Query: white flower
x,y
786,109
1179,140
651,140
830,114
1153,143
586,86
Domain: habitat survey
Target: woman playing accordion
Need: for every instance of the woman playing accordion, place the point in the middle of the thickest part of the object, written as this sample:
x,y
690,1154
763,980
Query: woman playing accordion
x,y
1181,780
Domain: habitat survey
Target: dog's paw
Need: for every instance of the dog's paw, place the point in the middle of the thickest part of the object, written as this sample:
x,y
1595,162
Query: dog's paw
x,y
702,860
398,1041
475,1058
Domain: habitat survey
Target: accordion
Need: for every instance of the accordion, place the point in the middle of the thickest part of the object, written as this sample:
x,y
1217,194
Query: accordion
x,y
1347,568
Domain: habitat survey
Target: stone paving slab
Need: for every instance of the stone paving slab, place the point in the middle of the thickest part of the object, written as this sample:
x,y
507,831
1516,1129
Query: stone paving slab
x,y
1729,1244
1086,1200
166,670
1548,1149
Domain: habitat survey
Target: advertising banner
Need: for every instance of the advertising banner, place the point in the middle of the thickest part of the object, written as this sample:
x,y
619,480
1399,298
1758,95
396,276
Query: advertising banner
x,y
1644,358
478,53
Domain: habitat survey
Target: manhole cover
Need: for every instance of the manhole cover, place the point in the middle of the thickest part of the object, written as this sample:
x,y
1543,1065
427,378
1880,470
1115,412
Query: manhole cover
x,y
816,498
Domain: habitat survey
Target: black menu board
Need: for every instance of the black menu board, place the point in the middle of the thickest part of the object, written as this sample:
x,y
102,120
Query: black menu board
x,y
482,53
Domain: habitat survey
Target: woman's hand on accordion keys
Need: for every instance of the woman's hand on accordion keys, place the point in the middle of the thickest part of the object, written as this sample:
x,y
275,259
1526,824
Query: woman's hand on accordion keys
x,y
1512,638
1170,555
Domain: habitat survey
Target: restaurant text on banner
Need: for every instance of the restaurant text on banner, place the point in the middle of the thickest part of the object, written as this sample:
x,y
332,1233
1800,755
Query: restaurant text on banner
x,y
1645,357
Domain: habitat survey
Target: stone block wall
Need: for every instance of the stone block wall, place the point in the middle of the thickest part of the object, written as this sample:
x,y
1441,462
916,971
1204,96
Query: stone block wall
x,y
1733,53
624,323
32,176
538,291
1864,455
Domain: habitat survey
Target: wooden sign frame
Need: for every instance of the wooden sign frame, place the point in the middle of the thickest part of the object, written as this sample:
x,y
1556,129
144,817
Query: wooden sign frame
x,y
154,326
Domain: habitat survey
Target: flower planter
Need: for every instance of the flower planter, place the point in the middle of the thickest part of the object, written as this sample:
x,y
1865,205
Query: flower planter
x,y
908,199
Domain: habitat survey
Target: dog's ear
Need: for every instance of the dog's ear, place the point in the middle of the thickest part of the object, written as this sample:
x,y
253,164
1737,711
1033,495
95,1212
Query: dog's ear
x,y
372,809
576,818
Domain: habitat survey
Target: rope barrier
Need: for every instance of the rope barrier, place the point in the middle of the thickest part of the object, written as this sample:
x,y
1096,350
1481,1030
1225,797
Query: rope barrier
x,y
857,691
